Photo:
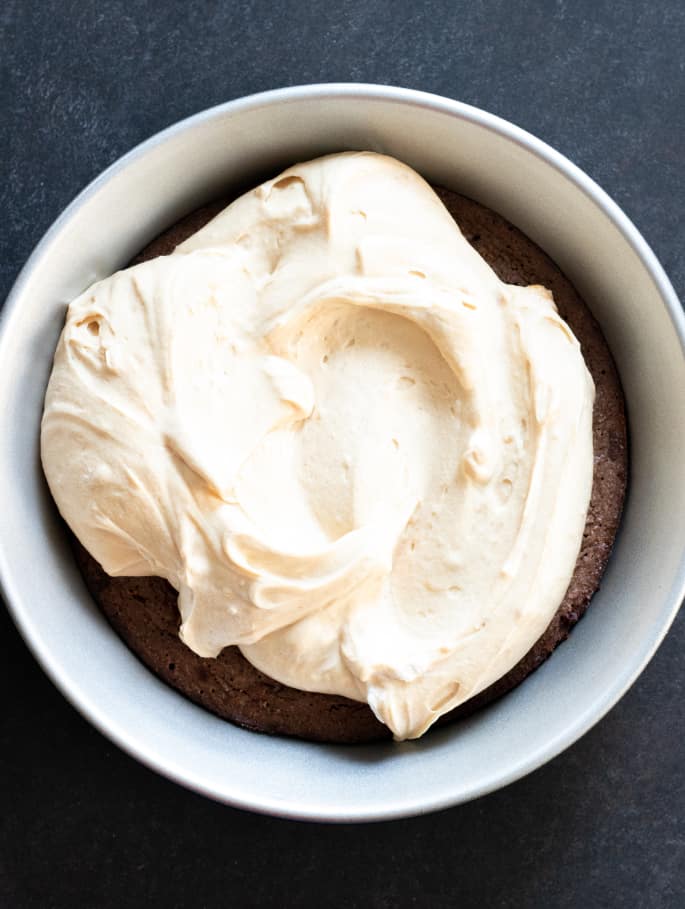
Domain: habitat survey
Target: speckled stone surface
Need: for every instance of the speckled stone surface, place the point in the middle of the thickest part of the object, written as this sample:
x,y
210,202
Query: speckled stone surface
x,y
80,822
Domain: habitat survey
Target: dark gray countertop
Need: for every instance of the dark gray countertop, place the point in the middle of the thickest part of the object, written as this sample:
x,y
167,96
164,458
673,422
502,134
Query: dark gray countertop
x,y
83,824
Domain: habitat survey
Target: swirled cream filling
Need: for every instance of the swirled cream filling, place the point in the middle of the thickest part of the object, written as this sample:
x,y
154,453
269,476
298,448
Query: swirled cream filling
x,y
353,451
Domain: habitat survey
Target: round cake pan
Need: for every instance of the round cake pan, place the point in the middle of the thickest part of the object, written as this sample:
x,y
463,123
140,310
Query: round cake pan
x,y
230,148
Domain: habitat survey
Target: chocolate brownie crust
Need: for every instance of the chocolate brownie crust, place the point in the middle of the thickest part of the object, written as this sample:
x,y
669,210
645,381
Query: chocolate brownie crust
x,y
144,612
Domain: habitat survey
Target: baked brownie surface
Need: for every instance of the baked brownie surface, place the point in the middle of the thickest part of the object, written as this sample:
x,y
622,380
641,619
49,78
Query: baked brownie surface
x,y
144,612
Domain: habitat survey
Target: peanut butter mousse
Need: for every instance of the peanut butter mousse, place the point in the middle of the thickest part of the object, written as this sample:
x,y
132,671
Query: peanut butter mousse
x,y
352,449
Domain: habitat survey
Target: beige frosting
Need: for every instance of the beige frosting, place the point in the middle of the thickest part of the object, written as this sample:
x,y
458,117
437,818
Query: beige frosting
x,y
324,420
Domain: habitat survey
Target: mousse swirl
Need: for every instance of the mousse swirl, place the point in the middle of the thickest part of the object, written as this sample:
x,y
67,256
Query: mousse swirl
x,y
352,450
